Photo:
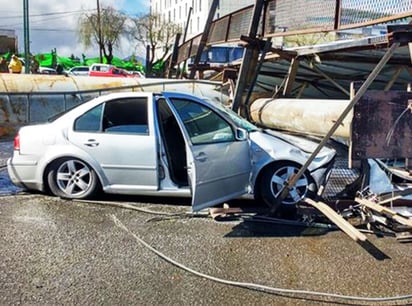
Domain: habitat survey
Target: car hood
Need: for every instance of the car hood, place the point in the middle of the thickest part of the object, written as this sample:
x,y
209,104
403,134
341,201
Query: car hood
x,y
285,146
305,144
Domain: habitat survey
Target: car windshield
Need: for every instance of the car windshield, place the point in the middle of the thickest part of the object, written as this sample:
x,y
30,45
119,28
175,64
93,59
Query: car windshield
x,y
239,121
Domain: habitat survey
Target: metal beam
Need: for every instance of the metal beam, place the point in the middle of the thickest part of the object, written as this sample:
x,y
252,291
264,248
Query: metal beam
x,y
291,76
173,59
332,81
183,68
203,39
393,79
250,57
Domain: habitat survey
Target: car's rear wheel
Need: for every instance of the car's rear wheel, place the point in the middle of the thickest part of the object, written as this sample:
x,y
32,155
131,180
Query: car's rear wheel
x,y
273,180
72,178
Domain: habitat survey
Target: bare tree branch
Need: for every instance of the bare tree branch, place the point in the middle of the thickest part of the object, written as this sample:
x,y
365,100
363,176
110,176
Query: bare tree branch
x,y
113,26
149,30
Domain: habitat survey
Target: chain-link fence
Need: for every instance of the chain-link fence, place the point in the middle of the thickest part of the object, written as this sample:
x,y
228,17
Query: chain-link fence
x,y
285,17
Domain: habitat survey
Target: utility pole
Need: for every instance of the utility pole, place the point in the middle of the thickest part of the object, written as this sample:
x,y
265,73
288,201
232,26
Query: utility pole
x,y
99,29
26,36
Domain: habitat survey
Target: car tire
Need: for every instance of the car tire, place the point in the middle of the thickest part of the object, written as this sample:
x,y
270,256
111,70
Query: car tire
x,y
71,178
273,179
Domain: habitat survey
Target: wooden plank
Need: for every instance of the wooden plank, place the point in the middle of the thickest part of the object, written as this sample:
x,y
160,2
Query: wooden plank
x,y
291,76
385,211
338,220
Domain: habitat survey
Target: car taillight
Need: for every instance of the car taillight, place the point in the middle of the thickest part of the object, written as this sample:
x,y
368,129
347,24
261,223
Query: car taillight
x,y
16,143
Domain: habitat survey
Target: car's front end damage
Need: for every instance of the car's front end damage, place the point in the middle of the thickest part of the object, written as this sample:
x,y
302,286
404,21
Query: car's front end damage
x,y
280,146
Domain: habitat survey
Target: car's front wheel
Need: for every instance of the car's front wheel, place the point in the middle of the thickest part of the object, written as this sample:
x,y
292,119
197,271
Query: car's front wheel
x,y
72,178
273,180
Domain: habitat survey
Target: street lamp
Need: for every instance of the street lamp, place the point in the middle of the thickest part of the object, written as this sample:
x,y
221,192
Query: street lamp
x,y
26,36
99,28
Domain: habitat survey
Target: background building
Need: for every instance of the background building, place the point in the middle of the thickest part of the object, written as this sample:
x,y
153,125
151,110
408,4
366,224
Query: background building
x,y
8,41
177,11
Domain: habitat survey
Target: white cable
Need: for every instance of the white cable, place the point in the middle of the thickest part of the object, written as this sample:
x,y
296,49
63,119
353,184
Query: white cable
x,y
257,286
127,206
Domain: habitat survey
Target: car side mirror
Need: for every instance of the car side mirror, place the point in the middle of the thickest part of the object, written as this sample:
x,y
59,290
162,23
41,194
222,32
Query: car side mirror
x,y
241,134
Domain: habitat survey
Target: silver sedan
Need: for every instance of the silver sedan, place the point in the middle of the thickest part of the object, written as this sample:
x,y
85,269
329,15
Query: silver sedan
x,y
167,144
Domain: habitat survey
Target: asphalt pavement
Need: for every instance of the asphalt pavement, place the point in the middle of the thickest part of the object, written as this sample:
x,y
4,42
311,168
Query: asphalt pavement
x,y
151,251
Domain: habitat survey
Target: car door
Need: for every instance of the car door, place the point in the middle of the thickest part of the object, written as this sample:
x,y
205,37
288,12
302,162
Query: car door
x,y
218,163
119,135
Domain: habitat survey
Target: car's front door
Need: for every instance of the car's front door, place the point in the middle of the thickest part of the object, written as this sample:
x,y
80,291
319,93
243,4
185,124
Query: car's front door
x,y
117,134
219,165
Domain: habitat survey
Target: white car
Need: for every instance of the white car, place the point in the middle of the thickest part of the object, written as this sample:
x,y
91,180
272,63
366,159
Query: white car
x,y
167,144
46,70
79,70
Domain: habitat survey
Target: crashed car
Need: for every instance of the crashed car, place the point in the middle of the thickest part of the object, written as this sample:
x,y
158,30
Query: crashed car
x,y
167,144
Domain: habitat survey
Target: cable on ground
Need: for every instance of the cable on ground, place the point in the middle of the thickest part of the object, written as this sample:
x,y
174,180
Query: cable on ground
x,y
258,287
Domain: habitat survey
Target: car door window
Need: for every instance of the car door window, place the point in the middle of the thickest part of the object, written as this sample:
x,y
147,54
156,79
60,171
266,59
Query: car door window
x,y
202,124
89,121
128,115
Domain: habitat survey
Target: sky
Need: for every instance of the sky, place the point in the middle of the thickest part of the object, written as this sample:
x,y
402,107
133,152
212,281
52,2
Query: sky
x,y
53,24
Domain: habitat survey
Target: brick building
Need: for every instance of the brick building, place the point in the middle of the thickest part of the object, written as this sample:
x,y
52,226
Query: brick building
x,y
8,41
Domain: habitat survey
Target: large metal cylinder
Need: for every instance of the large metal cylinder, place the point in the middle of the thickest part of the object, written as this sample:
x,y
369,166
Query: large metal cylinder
x,y
308,116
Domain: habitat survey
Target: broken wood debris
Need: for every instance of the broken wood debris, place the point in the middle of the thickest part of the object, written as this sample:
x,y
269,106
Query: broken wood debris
x,y
338,220
387,212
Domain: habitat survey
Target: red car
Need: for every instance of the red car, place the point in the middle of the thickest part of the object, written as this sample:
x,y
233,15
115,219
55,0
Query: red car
x,y
105,70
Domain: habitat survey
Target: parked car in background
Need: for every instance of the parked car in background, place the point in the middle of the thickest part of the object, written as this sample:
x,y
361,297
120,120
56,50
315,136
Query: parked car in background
x,y
47,70
106,70
169,144
137,74
79,70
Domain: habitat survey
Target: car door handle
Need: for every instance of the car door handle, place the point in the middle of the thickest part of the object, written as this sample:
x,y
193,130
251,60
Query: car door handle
x,y
91,143
202,157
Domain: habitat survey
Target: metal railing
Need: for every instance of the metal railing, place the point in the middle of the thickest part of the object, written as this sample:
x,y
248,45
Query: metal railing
x,y
29,107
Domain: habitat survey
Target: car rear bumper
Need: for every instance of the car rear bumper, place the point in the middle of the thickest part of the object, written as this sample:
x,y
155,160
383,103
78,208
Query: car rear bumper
x,y
22,173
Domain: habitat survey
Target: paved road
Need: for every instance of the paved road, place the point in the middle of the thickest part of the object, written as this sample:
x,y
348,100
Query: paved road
x,y
58,252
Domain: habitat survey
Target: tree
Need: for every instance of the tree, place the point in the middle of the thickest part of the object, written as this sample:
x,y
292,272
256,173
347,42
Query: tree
x,y
111,27
156,35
